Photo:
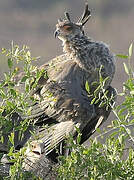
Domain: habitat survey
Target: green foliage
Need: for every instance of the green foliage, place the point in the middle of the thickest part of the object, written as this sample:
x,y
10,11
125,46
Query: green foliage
x,y
106,161
100,95
12,100
98,161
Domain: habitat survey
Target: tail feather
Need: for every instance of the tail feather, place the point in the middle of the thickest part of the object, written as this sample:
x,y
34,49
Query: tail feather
x,y
52,136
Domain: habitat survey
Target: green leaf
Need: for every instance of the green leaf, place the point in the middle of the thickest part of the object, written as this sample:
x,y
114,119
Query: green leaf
x,y
16,51
126,68
24,78
11,151
78,138
114,134
93,100
122,56
28,53
11,138
97,90
27,85
130,50
2,94
10,104
87,87
85,151
2,139
29,111
122,110
13,92
131,154
10,63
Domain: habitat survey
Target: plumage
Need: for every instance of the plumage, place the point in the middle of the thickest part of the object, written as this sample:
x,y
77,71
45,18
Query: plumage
x,y
62,100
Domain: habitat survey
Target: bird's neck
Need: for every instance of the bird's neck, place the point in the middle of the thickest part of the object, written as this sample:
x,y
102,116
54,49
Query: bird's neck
x,y
76,48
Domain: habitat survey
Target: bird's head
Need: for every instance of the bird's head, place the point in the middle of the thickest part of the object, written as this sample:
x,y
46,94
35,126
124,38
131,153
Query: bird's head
x,y
66,29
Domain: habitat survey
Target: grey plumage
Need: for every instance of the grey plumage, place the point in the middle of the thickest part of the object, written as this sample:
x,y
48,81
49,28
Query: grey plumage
x,y
68,74
63,101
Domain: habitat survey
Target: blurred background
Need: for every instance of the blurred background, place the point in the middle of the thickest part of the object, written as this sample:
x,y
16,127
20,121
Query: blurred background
x,y
32,23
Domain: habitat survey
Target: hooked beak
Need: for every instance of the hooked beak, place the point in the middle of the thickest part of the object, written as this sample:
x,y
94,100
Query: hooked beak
x,y
56,33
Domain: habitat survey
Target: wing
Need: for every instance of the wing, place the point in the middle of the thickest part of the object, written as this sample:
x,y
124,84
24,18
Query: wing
x,y
50,138
61,98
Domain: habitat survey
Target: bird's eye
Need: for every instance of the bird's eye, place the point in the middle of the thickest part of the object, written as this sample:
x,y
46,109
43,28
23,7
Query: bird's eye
x,y
67,28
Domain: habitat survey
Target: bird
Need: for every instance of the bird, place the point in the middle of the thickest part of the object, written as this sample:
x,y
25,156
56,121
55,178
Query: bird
x,y
63,102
